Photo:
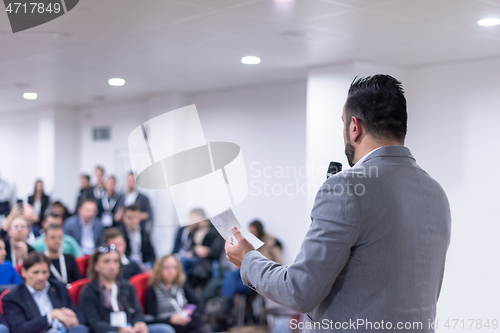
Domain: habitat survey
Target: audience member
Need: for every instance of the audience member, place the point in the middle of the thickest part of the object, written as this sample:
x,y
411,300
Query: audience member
x,y
16,245
110,304
85,227
139,247
207,245
132,197
27,213
272,248
59,209
110,210
69,244
8,274
63,268
40,201
115,236
86,191
98,189
170,300
41,304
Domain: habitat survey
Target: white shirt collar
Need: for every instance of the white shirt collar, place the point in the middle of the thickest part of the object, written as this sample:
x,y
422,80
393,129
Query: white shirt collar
x,y
33,291
365,157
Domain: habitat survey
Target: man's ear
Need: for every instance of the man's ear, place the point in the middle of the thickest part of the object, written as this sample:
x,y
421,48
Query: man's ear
x,y
23,272
355,128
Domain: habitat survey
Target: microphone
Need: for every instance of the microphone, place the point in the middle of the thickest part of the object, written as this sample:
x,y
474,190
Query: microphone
x,y
333,168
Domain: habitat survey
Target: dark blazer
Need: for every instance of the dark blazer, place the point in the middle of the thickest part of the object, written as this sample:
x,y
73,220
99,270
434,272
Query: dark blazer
x,y
196,317
178,240
142,201
98,316
148,252
7,249
119,202
215,242
131,269
21,311
72,227
45,203
86,193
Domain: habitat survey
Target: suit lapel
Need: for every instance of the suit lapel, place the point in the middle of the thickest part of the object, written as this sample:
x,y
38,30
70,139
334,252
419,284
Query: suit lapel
x,y
56,301
30,302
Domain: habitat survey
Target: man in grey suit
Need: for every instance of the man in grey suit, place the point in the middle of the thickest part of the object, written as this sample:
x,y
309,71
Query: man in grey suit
x,y
373,258
85,227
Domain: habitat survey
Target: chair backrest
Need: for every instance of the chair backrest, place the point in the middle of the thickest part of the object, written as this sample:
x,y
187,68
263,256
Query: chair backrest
x,y
140,283
6,291
19,266
75,288
83,264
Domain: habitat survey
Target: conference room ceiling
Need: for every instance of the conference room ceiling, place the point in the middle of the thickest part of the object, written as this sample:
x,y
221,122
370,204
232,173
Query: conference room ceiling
x,y
191,46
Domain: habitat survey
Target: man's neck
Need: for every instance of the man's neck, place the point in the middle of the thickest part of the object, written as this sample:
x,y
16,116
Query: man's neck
x,y
362,150
53,254
107,282
131,190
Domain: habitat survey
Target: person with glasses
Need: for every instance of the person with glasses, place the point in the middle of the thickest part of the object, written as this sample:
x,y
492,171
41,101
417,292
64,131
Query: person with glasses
x,y
40,304
110,303
16,246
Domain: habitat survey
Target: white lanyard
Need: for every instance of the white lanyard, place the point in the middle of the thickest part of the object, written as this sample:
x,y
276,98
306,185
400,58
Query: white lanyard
x,y
108,205
12,254
114,298
180,301
63,276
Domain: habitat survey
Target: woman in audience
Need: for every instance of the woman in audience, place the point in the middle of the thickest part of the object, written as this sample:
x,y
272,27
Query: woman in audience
x,y
110,303
169,300
272,248
8,274
40,201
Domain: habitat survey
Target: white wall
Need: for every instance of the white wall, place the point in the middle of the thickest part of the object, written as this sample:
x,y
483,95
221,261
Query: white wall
x,y
268,123
454,112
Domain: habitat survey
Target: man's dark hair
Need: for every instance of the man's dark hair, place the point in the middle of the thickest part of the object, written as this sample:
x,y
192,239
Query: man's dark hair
x,y
53,227
132,208
379,102
111,233
98,167
89,200
53,215
87,177
36,258
198,211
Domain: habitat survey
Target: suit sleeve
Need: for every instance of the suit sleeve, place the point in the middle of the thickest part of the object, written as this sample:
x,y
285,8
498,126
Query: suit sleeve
x,y
14,314
148,252
324,252
71,305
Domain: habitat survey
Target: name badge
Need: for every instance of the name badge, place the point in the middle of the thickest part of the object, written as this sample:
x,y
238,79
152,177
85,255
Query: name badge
x,y
118,319
107,219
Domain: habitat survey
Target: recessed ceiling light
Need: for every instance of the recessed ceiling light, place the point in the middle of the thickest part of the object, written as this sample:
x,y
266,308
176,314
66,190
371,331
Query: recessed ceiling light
x,y
488,22
116,82
250,60
30,95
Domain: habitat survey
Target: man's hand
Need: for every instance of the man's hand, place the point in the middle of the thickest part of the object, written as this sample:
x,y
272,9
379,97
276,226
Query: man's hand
x,y
141,327
235,253
65,316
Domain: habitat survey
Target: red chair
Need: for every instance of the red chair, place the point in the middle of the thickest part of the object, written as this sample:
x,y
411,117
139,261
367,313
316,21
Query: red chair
x,y
83,264
19,266
140,283
76,287
6,291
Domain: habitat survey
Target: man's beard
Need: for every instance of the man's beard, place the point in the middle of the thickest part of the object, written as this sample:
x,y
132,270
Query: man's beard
x,y
349,151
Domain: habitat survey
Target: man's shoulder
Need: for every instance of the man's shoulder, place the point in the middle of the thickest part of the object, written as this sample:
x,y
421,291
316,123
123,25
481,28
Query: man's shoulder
x,y
15,294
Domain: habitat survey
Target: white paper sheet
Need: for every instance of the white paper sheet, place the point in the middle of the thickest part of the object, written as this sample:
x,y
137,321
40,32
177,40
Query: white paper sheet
x,y
225,221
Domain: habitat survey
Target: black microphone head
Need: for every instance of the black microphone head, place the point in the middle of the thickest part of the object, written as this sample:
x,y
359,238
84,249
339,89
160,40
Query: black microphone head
x,y
333,168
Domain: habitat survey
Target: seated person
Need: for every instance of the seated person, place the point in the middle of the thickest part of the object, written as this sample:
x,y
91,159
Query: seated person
x,y
85,227
28,213
168,296
69,244
110,304
8,274
114,236
206,246
15,244
59,209
41,304
139,247
63,268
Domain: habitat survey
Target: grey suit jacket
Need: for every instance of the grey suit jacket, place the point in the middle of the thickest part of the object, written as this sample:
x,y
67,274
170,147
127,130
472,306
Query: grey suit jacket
x,y
73,228
375,251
